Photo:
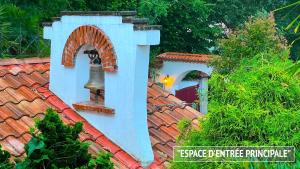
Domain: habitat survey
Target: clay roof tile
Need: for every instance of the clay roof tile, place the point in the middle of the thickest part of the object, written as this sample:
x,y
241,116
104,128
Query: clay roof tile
x,y
25,95
185,57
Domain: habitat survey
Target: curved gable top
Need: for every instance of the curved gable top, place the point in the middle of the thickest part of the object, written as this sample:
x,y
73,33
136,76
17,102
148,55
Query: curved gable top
x,y
90,35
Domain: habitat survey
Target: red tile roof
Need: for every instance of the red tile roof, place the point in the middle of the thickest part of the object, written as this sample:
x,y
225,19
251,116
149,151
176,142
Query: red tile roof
x,y
184,57
24,95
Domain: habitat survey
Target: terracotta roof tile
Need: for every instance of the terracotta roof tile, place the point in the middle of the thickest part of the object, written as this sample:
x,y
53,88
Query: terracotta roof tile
x,y
185,57
164,112
32,60
25,95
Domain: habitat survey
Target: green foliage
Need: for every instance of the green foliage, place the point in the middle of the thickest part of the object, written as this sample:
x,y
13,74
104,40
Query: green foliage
x,y
289,18
4,31
294,70
296,21
102,161
4,160
257,103
234,13
114,5
57,146
193,75
186,27
184,126
255,36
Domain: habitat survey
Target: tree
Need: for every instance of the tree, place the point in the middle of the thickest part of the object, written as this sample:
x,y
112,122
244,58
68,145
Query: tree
x,y
255,104
57,146
186,27
295,24
113,5
234,13
188,31
257,35
4,31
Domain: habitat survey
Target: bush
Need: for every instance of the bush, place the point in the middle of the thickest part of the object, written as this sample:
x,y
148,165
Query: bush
x,y
188,31
4,160
57,146
257,35
5,30
256,103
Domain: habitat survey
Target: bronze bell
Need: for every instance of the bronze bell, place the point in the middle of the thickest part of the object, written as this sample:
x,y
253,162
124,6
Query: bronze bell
x,y
96,81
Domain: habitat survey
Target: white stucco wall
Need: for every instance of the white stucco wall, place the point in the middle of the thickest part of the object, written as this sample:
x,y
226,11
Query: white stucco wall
x,y
125,90
178,70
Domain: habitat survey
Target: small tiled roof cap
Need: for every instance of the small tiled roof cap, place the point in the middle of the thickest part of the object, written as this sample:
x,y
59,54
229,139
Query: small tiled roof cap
x,y
185,57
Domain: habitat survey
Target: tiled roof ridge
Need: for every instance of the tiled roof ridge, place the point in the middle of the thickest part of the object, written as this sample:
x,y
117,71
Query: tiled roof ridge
x,y
185,53
185,57
31,60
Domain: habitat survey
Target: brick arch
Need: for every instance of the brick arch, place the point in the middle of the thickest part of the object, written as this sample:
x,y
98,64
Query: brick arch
x,y
90,35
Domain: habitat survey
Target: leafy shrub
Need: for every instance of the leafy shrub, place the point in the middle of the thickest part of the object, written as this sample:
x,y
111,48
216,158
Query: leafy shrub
x,y
4,160
5,30
57,146
256,103
188,31
257,35
101,162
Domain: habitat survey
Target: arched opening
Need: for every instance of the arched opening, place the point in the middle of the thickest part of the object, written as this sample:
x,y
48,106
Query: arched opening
x,y
91,73
96,77
93,36
90,46
191,87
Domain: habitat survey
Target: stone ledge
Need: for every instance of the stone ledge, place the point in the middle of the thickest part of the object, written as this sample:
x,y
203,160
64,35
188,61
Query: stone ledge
x,y
47,24
134,20
146,27
93,107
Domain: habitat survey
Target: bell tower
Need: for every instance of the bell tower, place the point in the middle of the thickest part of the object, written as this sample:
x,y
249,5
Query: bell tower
x,y
99,66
